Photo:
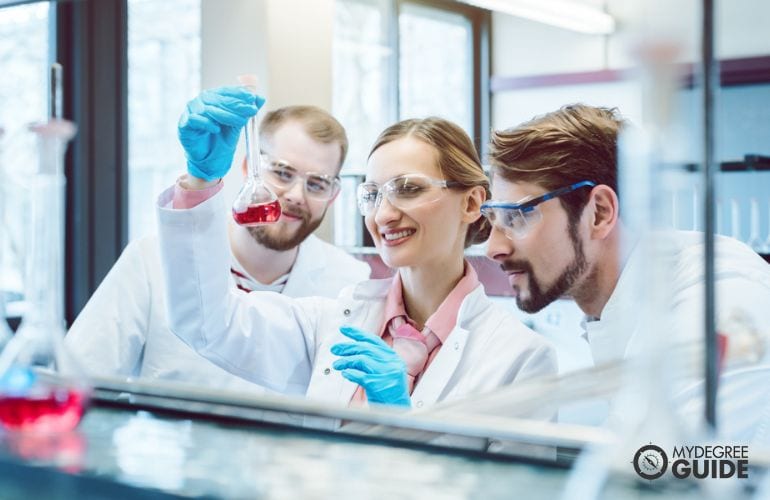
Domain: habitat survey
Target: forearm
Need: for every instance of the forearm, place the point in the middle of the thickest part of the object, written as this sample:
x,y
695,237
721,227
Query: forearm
x,y
245,335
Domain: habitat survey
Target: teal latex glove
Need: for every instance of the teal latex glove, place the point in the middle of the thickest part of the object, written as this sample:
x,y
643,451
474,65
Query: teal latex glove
x,y
210,126
374,365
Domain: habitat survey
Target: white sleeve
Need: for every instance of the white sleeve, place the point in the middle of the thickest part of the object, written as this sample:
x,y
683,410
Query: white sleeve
x,y
109,334
264,337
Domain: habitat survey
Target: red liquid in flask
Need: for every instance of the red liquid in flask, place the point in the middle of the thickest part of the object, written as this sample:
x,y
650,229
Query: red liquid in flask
x,y
52,410
264,213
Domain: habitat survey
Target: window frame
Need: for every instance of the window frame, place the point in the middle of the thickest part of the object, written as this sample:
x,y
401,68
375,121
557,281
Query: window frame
x,y
480,21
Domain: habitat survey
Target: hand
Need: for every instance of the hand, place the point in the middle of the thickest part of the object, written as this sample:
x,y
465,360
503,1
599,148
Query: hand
x,y
210,126
374,365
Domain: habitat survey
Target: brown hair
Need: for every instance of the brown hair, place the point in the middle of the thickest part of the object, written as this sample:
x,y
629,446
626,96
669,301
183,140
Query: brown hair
x,y
575,143
318,124
458,160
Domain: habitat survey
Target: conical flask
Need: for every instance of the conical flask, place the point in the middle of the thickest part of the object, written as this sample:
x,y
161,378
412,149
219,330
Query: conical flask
x,y
41,387
255,204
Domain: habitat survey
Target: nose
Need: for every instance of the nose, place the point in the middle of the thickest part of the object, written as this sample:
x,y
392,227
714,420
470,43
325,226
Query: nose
x,y
295,194
385,213
499,246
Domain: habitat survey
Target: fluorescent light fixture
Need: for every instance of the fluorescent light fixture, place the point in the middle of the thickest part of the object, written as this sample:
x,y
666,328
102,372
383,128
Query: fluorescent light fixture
x,y
571,15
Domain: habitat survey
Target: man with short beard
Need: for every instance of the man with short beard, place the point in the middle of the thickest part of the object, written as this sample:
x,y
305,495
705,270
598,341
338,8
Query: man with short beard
x,y
558,232
123,329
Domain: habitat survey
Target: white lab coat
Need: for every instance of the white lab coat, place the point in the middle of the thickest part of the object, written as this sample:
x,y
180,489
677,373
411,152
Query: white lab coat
x,y
742,282
123,329
284,344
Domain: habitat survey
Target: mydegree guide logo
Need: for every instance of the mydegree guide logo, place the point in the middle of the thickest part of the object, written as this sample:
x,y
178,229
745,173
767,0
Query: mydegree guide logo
x,y
700,462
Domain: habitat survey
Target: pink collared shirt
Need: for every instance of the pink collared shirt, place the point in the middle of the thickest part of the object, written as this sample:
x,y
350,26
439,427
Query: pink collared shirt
x,y
441,322
189,198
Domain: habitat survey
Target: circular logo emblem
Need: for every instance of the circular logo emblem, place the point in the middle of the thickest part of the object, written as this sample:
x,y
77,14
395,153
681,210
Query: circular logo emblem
x,y
650,461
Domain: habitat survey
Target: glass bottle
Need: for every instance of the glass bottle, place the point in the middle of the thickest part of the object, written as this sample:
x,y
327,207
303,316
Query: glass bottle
x,y
255,204
755,242
41,387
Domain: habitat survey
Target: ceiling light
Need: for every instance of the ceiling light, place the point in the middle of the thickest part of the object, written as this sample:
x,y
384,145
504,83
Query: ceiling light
x,y
571,15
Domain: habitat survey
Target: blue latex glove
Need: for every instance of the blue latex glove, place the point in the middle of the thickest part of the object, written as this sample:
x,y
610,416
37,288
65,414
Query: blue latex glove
x,y
374,365
210,126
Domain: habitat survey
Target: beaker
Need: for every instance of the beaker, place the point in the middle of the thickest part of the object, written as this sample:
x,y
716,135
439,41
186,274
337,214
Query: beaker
x,y
41,387
255,204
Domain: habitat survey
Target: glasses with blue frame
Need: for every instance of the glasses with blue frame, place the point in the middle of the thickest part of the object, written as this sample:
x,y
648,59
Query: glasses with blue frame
x,y
516,219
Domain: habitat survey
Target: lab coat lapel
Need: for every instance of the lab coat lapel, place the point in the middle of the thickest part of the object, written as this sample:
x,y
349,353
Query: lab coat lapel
x,y
435,379
365,311
367,316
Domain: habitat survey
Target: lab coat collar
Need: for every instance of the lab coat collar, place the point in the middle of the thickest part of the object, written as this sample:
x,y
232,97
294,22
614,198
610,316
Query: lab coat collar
x,y
608,336
435,379
372,289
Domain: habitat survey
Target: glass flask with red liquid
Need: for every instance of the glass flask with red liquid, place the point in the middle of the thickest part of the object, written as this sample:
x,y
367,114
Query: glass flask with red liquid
x,y
255,204
42,388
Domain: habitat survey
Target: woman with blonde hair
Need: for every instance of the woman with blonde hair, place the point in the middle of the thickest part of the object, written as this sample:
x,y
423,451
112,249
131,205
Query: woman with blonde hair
x,y
428,334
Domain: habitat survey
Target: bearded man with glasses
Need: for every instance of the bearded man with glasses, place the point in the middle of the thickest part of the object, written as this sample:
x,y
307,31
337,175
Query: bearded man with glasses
x,y
123,330
558,232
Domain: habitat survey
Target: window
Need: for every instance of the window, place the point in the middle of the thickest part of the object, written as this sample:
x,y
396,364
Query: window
x,y
398,59
24,43
435,66
164,48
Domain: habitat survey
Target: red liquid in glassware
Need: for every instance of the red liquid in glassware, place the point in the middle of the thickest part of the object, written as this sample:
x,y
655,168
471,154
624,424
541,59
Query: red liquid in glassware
x,y
258,214
53,410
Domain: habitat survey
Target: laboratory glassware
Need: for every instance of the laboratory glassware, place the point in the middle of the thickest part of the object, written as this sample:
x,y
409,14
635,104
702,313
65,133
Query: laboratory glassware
x,y
643,410
5,330
255,204
42,388
767,241
735,219
755,242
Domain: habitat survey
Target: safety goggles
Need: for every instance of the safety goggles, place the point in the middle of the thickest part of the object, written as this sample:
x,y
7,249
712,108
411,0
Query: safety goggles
x,y
404,192
516,219
282,176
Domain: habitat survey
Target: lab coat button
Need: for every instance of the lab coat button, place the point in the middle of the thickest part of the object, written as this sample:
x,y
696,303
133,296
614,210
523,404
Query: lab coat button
x,y
346,312
419,404
327,371
457,346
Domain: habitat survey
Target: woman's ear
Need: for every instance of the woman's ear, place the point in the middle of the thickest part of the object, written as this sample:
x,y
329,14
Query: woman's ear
x,y
606,208
473,199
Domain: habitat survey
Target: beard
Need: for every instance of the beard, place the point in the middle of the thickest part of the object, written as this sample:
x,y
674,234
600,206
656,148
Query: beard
x,y
539,295
279,238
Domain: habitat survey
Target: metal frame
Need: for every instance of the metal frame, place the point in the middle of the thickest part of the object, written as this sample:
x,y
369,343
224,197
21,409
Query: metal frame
x,y
189,399
91,43
710,81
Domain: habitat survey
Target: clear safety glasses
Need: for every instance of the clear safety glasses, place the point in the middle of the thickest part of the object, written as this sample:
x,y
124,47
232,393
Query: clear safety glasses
x,y
282,176
404,192
516,219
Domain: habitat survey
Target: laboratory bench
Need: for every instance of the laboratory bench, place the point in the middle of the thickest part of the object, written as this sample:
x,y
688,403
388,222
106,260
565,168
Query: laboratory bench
x,y
151,444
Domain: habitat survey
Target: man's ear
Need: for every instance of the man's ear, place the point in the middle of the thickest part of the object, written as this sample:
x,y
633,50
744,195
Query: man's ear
x,y
606,209
472,206
244,168
329,203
